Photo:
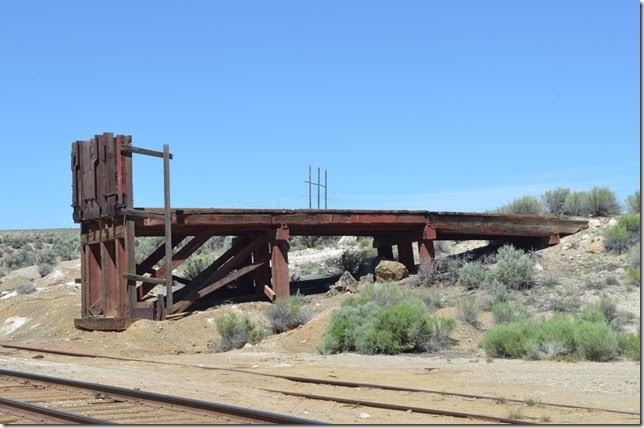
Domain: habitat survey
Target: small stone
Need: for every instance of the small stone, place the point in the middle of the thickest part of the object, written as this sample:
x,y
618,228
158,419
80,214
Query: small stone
x,y
594,223
538,267
364,415
346,283
38,356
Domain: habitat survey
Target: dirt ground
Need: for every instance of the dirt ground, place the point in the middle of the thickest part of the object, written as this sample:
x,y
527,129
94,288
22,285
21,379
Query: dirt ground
x,y
45,319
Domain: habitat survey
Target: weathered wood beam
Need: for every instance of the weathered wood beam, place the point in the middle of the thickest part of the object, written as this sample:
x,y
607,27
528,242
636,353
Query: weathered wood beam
x,y
196,295
186,251
228,261
386,252
279,262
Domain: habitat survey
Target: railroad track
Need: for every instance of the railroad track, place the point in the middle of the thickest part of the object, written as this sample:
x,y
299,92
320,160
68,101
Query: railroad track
x,y
340,391
28,398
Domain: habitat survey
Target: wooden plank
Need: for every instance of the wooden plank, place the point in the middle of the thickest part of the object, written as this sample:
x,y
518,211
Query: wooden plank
x,y
186,251
109,183
142,151
232,276
102,324
279,263
147,265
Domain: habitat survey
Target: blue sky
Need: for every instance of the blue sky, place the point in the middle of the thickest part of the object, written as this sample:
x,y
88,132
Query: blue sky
x,y
451,105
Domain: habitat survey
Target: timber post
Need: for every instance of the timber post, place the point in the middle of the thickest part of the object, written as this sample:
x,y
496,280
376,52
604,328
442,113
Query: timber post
x,y
279,262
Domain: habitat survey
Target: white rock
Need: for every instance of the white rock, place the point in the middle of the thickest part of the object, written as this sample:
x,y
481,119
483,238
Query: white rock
x,y
12,324
594,223
364,415
538,267
612,222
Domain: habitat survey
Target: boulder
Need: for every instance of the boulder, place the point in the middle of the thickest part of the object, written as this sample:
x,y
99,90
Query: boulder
x,y
346,283
388,270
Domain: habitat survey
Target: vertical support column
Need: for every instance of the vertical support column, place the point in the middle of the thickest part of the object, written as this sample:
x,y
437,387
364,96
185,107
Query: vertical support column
x,y
168,228
246,282
279,262
426,244
406,255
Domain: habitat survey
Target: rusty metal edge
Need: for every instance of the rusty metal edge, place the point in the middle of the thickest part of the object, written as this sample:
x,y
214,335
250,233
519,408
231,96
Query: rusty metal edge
x,y
261,415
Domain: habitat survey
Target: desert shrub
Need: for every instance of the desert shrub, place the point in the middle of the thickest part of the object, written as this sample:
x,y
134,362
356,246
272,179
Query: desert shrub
x,y
602,202
559,304
431,297
196,264
595,283
497,291
66,247
21,258
631,222
505,312
559,337
356,261
45,269
611,279
27,288
385,294
235,332
392,325
514,268
630,343
577,204
468,310
634,203
427,274
555,199
286,314
617,239
46,257
633,275
523,205
472,275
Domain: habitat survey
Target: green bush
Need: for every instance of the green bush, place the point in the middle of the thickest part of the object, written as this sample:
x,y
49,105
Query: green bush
x,y
286,314
196,264
617,239
514,268
559,337
577,203
633,275
555,199
385,294
472,275
523,205
602,202
397,323
505,312
634,202
235,332
630,343
497,291
468,310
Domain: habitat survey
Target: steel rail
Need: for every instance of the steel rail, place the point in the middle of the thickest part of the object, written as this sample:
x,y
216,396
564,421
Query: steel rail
x,y
400,408
45,414
302,379
247,413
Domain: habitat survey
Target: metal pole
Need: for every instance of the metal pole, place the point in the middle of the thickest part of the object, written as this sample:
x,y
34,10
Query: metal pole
x,y
310,206
318,187
325,190
168,228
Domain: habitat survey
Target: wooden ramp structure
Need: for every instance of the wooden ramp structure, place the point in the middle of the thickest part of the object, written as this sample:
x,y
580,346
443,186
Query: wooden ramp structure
x,y
116,290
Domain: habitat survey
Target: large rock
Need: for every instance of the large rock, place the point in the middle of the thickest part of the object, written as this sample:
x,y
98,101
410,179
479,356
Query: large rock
x,y
348,241
388,270
346,283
